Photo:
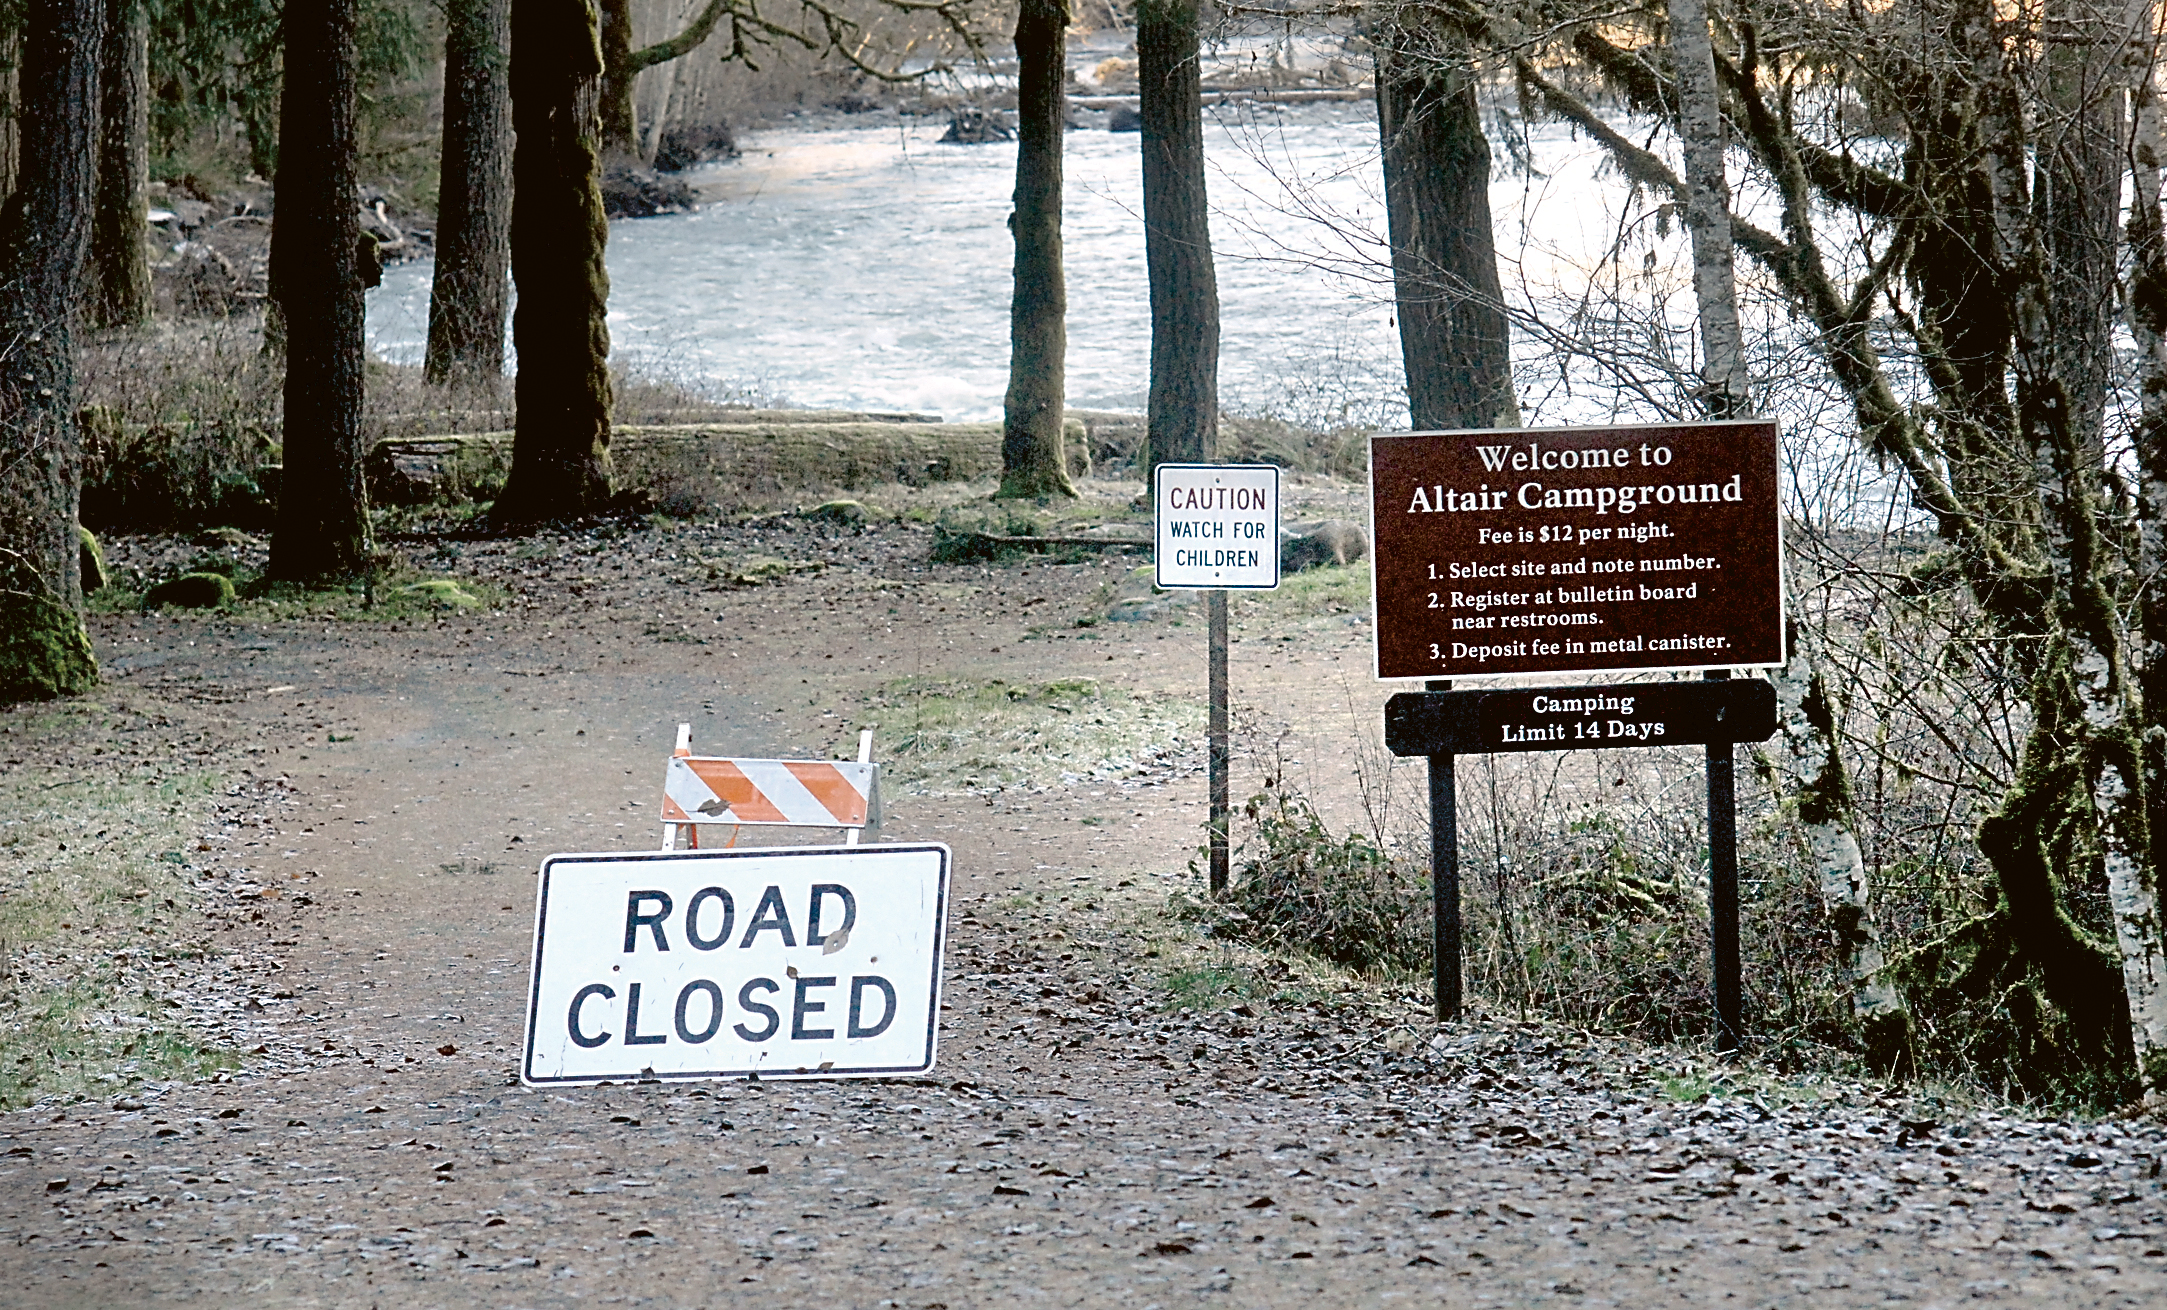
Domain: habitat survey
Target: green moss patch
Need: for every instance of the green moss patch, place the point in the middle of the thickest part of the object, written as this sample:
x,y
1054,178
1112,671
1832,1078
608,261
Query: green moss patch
x,y
44,652
93,558
201,590
443,593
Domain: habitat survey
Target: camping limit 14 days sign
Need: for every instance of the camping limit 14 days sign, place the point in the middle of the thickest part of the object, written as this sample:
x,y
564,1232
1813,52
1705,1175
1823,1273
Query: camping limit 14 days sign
x,y
1216,526
780,961
1577,550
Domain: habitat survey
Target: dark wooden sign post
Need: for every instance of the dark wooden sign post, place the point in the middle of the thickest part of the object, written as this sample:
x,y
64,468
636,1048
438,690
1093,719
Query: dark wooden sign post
x,y
1441,724
1582,550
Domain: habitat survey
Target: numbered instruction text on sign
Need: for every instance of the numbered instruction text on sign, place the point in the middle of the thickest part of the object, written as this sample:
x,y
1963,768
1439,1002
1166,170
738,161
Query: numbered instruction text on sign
x,y
1216,525
1576,549
783,961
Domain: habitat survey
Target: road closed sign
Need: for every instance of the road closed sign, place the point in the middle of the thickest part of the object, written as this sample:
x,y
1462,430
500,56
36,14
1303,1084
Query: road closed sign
x,y
821,962
1216,525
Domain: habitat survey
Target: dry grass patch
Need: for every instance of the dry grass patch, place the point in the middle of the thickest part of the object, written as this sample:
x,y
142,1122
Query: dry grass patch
x,y
949,736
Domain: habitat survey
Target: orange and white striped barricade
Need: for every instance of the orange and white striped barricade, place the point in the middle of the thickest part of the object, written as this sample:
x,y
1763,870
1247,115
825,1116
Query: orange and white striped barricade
x,y
699,789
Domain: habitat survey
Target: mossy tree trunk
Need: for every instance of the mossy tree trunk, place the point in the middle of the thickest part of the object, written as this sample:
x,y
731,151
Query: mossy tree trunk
x,y
1183,409
322,529
1032,462
560,451
120,259
620,120
2082,152
1808,715
1810,709
471,294
44,241
1454,337
622,65
1994,295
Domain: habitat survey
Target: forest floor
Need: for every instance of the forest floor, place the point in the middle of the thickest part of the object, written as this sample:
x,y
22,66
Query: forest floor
x,y
1123,1112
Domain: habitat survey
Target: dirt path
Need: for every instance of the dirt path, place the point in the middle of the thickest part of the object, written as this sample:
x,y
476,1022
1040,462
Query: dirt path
x,y
1085,1140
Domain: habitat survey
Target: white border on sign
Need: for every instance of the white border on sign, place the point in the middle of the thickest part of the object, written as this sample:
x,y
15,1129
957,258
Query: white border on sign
x,y
534,968
1273,585
1783,575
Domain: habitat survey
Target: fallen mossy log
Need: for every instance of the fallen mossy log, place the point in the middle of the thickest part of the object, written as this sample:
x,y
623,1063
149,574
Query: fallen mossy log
x,y
952,547
434,424
710,462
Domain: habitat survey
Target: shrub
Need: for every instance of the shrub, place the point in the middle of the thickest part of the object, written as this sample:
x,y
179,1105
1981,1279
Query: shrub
x,y
1296,884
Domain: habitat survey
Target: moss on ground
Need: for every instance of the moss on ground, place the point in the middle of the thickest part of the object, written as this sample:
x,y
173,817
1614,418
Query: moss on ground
x,y
202,590
391,597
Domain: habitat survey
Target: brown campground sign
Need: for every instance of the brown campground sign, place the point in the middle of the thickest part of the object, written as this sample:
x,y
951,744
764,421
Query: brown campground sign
x,y
1571,550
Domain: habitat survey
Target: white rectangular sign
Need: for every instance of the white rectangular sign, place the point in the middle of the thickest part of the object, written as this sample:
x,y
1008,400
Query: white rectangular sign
x,y
1216,525
800,961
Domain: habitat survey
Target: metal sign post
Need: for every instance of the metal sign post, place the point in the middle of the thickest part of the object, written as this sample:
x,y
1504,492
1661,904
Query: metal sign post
x,y
1445,949
1441,723
1723,889
1216,744
1216,527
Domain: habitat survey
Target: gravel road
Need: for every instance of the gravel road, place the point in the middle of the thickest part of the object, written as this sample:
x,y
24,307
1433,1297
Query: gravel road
x,y
1081,1143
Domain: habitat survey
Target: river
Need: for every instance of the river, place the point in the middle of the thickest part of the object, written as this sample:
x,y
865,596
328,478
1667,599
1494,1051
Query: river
x,y
859,263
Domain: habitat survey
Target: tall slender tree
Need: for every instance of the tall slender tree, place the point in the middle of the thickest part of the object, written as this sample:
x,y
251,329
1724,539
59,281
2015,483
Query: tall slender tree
x,y
322,529
1032,461
560,453
1708,210
1454,337
1182,417
120,262
471,294
1809,705
44,239
2147,302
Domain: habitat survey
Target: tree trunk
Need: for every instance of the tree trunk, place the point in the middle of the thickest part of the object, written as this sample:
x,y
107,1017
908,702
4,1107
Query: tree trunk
x,y
651,139
622,65
1809,709
620,121
1032,463
11,123
471,294
1183,410
560,452
44,240
1708,211
2066,334
2148,323
120,260
1827,812
2077,196
322,530
1454,338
